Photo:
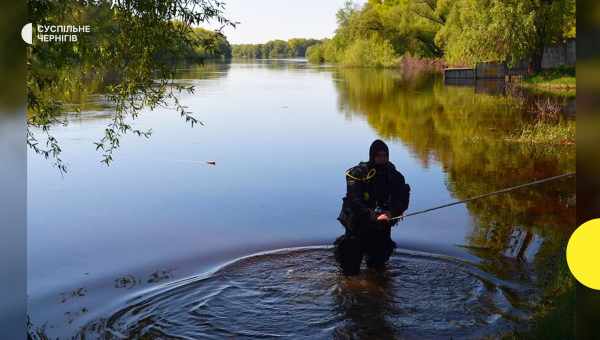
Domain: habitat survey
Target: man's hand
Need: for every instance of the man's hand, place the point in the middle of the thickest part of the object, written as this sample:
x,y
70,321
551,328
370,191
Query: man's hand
x,y
385,217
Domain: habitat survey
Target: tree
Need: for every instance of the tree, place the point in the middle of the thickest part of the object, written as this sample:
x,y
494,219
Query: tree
x,y
505,30
343,14
482,30
461,31
554,20
210,45
407,26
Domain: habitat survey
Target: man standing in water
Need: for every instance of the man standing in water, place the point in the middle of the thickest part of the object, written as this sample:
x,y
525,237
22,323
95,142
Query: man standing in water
x,y
376,191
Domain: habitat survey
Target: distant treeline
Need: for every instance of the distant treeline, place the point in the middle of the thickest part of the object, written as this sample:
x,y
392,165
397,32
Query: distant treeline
x,y
206,45
293,48
462,32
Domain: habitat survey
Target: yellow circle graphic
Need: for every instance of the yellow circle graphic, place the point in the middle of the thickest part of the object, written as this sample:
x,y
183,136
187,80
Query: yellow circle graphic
x,y
583,254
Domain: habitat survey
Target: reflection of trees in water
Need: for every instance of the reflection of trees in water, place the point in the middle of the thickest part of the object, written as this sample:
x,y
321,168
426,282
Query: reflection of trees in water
x,y
467,134
129,56
81,93
276,64
201,71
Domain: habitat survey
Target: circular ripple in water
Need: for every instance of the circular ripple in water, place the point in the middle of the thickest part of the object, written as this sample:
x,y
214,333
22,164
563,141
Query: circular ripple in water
x,y
300,293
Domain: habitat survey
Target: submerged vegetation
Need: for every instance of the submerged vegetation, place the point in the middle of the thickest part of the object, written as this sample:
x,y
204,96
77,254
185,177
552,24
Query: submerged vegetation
x,y
462,32
561,133
549,127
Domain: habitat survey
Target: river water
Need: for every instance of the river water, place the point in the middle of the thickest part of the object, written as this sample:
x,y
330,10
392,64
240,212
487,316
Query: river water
x,y
162,244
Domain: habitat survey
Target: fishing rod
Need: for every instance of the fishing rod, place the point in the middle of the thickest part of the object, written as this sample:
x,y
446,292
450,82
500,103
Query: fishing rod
x,y
486,195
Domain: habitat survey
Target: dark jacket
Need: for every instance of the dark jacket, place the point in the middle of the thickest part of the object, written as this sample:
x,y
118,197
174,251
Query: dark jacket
x,y
367,190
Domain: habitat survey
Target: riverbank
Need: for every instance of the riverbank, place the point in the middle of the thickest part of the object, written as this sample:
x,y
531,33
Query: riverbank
x,y
550,127
411,64
552,124
562,80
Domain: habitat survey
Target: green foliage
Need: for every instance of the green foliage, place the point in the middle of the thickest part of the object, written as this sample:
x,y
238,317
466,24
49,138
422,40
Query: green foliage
x,y
293,48
499,30
559,77
516,30
315,54
373,52
209,45
391,28
483,30
462,31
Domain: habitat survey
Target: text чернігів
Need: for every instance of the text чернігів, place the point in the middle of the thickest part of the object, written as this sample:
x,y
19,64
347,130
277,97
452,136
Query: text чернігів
x,y
49,33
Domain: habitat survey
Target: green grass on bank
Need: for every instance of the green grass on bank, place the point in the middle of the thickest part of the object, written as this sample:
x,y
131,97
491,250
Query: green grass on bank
x,y
559,78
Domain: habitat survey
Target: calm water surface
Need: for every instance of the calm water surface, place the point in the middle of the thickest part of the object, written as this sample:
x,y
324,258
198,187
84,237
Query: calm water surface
x,y
161,244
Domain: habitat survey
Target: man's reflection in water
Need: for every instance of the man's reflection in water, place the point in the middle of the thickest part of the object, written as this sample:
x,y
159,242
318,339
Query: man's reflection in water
x,y
364,303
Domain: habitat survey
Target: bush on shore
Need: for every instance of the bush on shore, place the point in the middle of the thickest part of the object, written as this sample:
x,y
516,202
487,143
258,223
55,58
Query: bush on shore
x,y
373,52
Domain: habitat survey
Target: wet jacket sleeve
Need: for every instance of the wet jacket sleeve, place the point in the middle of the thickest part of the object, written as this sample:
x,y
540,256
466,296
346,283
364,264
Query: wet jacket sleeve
x,y
354,194
400,194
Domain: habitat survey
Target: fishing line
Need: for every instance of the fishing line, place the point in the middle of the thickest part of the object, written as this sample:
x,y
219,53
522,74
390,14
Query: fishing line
x,y
486,195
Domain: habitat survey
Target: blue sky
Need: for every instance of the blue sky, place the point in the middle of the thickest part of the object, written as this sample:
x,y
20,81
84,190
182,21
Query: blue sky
x,y
264,20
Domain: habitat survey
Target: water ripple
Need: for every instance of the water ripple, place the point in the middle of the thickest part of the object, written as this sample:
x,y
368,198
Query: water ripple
x,y
299,293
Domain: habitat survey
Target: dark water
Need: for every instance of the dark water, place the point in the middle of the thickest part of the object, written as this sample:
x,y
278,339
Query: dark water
x,y
299,293
148,246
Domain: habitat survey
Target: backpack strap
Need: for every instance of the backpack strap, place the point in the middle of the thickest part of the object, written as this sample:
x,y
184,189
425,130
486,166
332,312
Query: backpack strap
x,y
360,173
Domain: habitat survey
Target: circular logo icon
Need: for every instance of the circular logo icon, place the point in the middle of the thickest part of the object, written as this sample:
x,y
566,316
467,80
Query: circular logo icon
x,y
583,254
27,33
